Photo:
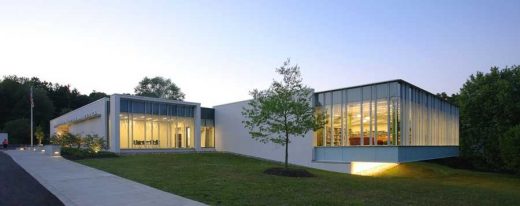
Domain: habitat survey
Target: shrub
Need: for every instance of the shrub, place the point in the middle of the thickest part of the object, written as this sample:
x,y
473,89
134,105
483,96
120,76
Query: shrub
x,y
67,140
75,140
510,149
78,153
105,154
94,143
57,139
74,153
75,147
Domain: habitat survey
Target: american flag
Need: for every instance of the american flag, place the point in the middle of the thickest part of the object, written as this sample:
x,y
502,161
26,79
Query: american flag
x,y
32,101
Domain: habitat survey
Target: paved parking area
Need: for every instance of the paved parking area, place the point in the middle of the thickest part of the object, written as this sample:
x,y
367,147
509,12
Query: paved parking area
x,y
77,184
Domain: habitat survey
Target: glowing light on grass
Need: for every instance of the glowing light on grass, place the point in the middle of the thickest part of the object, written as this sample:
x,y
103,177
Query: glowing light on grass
x,y
370,168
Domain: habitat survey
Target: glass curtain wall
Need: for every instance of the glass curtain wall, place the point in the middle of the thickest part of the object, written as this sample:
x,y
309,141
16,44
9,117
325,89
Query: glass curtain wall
x,y
353,116
428,119
207,133
337,134
153,125
372,115
319,107
207,127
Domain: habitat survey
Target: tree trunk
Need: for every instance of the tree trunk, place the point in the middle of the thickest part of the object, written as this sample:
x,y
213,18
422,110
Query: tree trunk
x,y
286,149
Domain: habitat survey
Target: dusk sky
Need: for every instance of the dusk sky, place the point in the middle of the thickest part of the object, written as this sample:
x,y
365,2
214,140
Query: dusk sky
x,y
217,51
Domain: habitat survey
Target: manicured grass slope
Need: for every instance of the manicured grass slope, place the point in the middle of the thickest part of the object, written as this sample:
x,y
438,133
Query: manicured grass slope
x,y
226,179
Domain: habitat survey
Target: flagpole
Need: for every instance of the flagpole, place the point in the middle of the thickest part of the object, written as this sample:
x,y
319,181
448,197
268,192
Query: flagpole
x,y
32,116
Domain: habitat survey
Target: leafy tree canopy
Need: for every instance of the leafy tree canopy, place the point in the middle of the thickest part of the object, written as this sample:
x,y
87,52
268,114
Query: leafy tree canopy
x,y
19,131
489,106
282,111
159,87
510,149
50,100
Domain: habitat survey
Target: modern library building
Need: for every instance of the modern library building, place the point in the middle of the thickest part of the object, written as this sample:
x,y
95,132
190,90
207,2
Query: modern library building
x,y
369,128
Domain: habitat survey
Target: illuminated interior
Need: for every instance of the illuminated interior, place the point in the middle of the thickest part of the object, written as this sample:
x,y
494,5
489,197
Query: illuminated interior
x,y
152,125
370,168
62,129
392,113
207,133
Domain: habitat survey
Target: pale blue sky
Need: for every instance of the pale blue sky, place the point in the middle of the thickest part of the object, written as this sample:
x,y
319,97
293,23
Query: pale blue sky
x,y
217,51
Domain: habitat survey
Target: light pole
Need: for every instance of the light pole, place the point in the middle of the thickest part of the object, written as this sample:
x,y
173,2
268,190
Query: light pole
x,y
32,106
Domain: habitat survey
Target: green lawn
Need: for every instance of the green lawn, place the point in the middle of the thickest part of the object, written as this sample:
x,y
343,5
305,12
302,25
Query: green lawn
x,y
225,179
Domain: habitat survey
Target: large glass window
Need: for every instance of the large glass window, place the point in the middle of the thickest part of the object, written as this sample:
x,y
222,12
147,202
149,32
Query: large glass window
x,y
345,119
328,126
382,116
336,118
149,125
394,113
367,117
207,133
354,123
320,113
354,116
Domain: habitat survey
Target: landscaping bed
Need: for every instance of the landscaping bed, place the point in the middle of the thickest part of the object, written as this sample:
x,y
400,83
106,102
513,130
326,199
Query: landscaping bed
x,y
80,153
288,172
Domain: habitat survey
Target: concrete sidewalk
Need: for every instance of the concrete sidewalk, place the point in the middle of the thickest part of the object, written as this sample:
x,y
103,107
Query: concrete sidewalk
x,y
76,184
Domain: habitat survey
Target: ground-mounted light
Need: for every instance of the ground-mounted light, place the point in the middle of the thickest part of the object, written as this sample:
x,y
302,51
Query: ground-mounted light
x,y
43,151
56,154
22,149
370,168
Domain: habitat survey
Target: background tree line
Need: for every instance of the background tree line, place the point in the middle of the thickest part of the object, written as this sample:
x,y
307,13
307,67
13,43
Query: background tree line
x,y
52,100
489,105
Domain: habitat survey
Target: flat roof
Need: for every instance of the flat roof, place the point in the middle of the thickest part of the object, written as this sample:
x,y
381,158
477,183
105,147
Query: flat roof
x,y
155,99
384,82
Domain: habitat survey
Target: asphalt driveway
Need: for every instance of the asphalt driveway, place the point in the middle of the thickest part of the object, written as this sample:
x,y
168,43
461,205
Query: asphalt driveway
x,y
17,187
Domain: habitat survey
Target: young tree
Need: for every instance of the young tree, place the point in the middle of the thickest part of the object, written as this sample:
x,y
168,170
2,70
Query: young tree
x,y
282,111
39,134
159,87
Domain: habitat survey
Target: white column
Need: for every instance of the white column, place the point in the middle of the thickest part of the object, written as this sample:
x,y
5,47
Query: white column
x,y
197,128
113,124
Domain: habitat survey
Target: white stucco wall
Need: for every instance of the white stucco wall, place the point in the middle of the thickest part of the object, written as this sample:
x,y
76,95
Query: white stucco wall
x,y
231,136
89,119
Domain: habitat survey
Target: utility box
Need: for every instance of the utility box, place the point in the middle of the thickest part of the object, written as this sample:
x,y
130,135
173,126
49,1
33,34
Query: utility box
x,y
3,136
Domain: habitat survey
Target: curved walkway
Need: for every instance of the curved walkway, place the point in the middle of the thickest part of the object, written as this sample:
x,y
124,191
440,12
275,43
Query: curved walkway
x,y
76,184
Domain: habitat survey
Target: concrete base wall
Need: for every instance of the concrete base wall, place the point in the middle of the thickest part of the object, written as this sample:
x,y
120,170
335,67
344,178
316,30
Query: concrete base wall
x,y
390,154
